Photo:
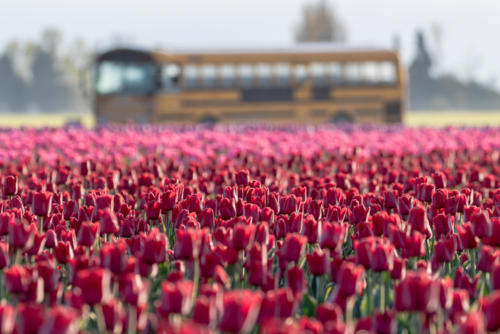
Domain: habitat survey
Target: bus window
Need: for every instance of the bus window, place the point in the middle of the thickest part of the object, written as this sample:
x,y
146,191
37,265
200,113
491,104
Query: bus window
x,y
300,73
227,75
370,72
170,76
245,73
208,75
387,72
264,74
318,71
352,74
335,72
282,74
190,76
128,78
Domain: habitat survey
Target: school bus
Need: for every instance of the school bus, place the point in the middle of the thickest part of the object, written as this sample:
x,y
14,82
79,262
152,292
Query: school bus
x,y
310,83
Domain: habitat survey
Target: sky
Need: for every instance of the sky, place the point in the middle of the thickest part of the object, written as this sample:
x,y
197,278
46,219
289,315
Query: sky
x,y
467,28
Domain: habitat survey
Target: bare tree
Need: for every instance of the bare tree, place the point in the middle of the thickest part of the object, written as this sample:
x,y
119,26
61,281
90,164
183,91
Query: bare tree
x,y
320,23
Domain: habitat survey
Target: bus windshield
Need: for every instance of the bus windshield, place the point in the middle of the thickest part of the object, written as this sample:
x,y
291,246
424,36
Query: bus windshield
x,y
125,78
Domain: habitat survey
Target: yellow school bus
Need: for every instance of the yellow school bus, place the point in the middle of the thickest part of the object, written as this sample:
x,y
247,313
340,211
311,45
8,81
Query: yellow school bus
x,y
310,83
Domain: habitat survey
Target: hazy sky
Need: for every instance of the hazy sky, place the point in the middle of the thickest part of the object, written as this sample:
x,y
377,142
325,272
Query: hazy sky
x,y
468,28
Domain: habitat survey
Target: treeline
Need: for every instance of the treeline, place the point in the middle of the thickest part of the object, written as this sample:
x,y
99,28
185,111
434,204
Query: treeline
x,y
445,91
42,76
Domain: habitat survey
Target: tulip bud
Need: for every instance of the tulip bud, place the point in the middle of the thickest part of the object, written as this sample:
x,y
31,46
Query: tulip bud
x,y
94,285
175,297
317,262
42,203
10,187
293,247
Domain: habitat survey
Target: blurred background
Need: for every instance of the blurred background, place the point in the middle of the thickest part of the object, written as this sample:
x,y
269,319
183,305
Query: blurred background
x,y
448,46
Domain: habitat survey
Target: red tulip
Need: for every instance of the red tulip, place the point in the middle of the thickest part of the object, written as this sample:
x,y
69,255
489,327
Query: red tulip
x,y
10,185
133,289
242,236
240,311
318,262
94,285
114,256
60,319
113,314
87,233
175,297
295,279
349,279
7,318
487,256
204,311
63,252
30,318
293,247
416,292
42,203
481,224
490,308
444,249
242,177
332,236
382,257
21,235
155,247
186,244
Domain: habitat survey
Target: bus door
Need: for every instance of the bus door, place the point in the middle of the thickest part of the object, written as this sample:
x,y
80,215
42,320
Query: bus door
x,y
168,102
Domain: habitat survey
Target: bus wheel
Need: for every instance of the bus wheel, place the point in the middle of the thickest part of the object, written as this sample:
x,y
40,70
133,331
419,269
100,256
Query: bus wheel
x,y
342,118
208,119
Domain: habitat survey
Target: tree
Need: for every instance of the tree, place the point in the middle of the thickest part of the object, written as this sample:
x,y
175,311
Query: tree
x,y
48,89
12,86
320,23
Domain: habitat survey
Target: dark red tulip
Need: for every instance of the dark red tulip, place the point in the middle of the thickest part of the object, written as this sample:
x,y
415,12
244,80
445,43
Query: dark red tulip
x,y
113,314
416,292
240,311
133,289
382,258
60,319
4,255
63,252
155,247
42,203
30,318
227,208
108,222
490,308
349,279
7,318
328,312
242,236
204,311
94,285
417,220
318,262
186,244
10,185
467,238
87,234
287,204
487,256
242,177
444,249
332,236
21,235
175,297
295,279
114,256
293,247
481,224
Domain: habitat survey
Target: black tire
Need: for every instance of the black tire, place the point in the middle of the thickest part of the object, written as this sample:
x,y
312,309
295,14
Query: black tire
x,y
342,118
208,119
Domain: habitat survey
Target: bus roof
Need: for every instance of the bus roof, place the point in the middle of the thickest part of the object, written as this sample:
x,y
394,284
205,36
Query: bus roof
x,y
295,53
298,48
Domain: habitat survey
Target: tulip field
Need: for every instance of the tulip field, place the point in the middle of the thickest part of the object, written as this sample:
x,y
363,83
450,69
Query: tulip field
x,y
250,229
